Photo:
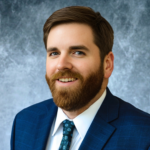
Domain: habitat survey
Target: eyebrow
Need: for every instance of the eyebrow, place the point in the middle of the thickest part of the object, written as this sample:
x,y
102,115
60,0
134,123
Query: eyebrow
x,y
76,47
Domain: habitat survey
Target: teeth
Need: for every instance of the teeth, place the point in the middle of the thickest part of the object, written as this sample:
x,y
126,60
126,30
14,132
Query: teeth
x,y
67,79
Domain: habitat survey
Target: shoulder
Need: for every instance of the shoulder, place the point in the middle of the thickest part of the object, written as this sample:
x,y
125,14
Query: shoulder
x,y
32,120
36,110
132,126
132,115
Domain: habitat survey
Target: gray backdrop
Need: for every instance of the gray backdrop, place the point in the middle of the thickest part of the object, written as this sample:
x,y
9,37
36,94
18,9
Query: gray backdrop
x,y
22,53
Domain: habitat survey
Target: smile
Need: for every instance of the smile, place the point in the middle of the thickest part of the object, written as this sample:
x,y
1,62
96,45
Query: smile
x,y
67,79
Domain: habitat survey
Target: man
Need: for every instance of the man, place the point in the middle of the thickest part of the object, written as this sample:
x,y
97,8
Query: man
x,y
83,114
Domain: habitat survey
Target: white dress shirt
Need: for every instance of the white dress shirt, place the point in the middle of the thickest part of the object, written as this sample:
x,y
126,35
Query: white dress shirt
x,y
82,123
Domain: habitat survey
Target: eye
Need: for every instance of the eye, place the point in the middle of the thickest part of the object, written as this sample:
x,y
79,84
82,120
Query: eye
x,y
79,53
53,54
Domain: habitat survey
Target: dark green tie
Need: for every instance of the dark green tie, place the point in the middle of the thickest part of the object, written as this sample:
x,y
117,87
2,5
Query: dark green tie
x,y
68,127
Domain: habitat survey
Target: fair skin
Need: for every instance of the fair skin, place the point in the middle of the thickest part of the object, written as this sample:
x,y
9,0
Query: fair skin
x,y
71,46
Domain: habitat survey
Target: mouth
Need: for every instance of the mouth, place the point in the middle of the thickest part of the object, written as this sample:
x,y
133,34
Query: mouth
x,y
66,81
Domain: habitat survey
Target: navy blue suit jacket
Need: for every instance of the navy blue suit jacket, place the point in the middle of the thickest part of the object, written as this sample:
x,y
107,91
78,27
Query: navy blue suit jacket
x,y
117,126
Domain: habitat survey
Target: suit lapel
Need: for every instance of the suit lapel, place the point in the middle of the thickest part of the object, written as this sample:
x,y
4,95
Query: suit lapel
x,y
97,135
43,127
100,130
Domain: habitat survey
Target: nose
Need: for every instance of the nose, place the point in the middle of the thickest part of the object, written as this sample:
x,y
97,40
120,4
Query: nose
x,y
64,62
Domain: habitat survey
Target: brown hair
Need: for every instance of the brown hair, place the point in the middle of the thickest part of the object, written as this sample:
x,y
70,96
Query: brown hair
x,y
102,30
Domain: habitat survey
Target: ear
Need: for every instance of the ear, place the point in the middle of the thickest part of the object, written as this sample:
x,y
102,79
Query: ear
x,y
108,65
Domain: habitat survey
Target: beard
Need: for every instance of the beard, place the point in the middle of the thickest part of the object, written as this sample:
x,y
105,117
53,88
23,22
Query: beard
x,y
73,98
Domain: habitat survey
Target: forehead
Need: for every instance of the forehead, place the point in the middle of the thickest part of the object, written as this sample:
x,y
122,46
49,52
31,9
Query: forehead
x,y
70,33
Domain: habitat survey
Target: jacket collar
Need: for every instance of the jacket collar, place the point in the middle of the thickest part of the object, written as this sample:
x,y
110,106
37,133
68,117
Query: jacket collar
x,y
100,130
44,125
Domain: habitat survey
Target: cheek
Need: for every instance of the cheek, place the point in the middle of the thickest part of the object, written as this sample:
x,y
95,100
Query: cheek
x,y
50,68
85,67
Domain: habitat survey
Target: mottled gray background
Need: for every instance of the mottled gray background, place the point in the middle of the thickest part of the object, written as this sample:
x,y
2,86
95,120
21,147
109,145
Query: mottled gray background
x,y
22,53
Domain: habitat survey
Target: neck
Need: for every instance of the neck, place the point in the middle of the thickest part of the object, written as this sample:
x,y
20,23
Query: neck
x,y
74,114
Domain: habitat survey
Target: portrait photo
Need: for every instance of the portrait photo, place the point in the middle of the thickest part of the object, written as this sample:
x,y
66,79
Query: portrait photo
x,y
74,75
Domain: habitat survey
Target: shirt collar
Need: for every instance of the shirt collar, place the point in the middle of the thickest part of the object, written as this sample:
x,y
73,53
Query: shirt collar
x,y
83,121
61,116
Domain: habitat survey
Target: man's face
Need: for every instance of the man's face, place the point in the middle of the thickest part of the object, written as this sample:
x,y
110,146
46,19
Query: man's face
x,y
73,58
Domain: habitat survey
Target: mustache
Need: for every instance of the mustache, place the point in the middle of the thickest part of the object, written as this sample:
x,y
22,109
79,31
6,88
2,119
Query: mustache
x,y
66,73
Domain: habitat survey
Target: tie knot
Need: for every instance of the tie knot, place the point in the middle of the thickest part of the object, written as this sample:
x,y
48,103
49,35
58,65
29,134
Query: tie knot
x,y
68,127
